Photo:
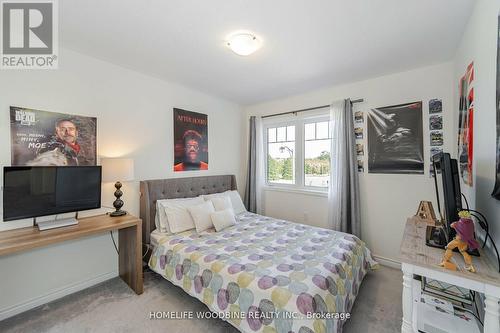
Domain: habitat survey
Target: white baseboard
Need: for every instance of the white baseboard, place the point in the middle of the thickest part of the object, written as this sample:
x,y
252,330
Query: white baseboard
x,y
56,294
387,262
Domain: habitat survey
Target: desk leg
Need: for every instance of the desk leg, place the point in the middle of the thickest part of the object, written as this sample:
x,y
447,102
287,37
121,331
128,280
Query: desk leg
x,y
130,261
491,314
406,326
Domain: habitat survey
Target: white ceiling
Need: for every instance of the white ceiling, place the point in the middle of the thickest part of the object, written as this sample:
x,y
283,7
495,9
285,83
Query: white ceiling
x,y
307,44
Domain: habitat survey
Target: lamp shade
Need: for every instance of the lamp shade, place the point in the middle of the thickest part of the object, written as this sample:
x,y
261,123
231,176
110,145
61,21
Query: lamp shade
x,y
117,169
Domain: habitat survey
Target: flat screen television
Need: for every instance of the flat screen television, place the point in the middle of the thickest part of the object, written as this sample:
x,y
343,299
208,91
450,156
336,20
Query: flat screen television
x,y
448,194
41,191
449,200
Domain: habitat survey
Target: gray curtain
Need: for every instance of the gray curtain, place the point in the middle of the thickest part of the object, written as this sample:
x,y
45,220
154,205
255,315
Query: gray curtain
x,y
250,199
343,194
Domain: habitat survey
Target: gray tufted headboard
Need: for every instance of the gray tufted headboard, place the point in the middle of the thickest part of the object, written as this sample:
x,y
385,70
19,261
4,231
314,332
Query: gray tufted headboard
x,y
153,190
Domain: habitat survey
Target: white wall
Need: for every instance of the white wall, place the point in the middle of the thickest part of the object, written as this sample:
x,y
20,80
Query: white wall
x,y
386,200
479,44
134,114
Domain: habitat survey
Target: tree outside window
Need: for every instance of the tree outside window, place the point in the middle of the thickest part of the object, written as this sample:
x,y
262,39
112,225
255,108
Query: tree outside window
x,y
310,156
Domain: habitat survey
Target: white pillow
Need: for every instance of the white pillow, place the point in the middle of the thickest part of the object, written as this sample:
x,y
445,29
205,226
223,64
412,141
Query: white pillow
x,y
174,216
221,203
223,219
235,198
214,195
201,215
161,222
157,217
236,201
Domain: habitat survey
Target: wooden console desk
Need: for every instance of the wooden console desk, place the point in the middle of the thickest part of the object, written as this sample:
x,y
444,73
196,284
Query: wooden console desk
x,y
419,259
129,236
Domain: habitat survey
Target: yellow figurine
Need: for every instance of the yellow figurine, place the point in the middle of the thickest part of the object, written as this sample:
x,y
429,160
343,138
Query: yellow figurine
x,y
463,240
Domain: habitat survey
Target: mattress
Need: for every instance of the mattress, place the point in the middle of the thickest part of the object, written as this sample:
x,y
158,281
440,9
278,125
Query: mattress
x,y
268,275
157,235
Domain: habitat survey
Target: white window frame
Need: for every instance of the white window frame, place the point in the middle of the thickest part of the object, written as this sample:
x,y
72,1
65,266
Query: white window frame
x,y
309,121
282,123
299,122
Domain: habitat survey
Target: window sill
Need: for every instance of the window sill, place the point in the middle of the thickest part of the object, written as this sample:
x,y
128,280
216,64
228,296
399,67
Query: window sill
x,y
289,189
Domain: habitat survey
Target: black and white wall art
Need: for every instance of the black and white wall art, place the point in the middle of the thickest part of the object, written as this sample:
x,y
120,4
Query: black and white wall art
x,y
358,133
435,105
360,150
359,129
436,136
436,122
435,151
395,139
358,117
361,166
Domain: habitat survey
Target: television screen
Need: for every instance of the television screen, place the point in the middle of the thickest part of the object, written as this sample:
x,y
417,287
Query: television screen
x,y
448,192
40,191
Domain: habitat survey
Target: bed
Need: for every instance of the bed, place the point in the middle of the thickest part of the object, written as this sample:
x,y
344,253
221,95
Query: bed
x,y
263,274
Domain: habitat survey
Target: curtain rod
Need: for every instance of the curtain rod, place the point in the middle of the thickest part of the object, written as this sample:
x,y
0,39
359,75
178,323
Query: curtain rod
x,y
308,109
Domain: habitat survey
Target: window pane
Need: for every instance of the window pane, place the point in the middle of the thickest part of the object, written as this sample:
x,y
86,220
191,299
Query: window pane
x,y
271,134
322,130
290,133
281,163
281,136
309,131
317,162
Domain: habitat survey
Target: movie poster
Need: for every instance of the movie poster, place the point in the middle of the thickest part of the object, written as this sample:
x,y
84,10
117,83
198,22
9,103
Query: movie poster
x,y
395,139
465,125
190,140
496,190
41,138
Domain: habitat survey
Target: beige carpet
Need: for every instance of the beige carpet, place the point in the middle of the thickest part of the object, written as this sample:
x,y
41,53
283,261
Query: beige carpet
x,y
113,307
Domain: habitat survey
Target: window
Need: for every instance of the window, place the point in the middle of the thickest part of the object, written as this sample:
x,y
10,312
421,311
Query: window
x,y
317,154
298,153
281,155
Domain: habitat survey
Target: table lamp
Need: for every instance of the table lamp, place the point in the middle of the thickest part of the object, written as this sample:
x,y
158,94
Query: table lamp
x,y
117,170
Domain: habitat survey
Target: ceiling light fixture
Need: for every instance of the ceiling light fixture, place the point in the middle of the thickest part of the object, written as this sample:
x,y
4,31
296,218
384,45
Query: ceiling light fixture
x,y
243,43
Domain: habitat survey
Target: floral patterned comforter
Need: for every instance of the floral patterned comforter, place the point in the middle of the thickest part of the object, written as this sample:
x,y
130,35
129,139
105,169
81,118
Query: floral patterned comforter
x,y
268,275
